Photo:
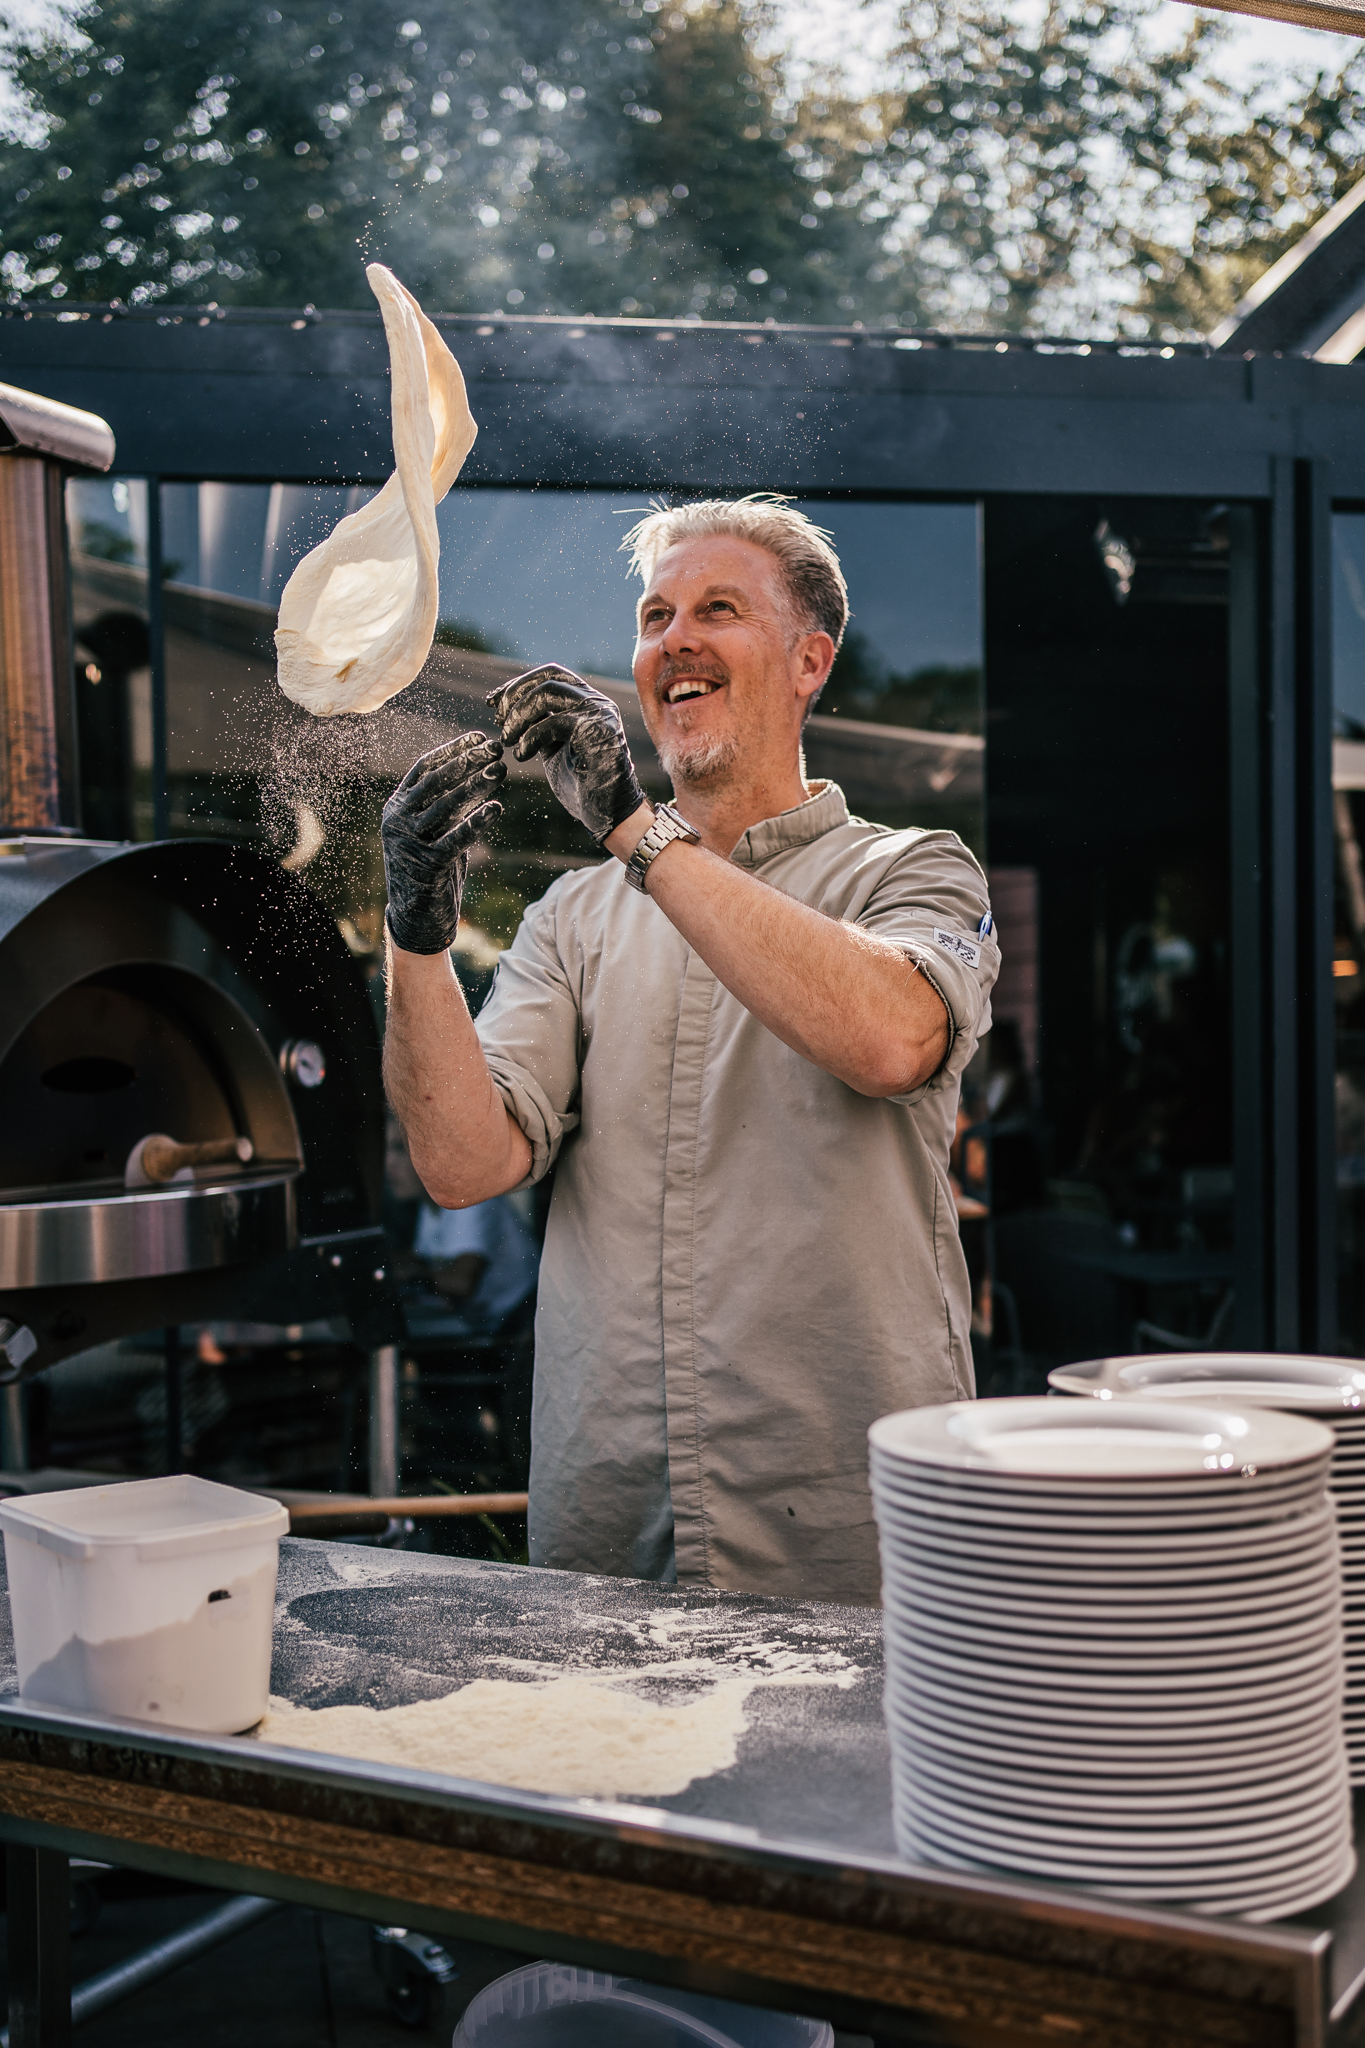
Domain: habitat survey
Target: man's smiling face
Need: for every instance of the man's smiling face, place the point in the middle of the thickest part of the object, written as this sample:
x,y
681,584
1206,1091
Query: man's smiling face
x,y
723,668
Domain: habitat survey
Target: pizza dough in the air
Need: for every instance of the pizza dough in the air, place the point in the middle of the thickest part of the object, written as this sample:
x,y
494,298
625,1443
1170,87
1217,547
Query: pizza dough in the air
x,y
358,614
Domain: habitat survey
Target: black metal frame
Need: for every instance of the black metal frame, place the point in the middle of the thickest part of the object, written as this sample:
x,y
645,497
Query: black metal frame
x,y
38,1916
644,405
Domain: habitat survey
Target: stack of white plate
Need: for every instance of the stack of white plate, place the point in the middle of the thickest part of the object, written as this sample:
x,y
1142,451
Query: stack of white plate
x,y
1333,1390
1114,1648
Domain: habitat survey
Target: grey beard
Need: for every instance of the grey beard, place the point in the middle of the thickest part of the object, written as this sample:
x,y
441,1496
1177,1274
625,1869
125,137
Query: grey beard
x,y
698,761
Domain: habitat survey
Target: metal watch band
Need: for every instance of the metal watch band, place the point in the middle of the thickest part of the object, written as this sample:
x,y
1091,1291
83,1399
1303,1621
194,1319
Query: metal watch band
x,y
667,827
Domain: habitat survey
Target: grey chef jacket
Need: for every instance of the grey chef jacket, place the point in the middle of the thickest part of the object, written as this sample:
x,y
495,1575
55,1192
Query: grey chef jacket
x,y
747,1262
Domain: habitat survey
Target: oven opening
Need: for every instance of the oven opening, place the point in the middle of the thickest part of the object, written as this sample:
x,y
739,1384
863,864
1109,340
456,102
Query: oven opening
x,y
91,1075
127,1053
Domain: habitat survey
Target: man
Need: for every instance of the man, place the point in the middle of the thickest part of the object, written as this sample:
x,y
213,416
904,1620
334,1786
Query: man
x,y
747,1069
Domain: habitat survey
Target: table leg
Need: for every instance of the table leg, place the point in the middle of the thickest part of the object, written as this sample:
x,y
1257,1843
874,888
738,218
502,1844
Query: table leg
x,y
383,1473
174,1454
13,1433
39,1948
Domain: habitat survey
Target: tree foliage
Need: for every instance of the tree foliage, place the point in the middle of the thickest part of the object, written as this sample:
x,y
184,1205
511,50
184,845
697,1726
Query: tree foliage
x,y
1018,172
1067,174
540,157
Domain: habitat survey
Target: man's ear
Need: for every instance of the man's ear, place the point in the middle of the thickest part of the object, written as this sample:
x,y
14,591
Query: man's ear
x,y
815,659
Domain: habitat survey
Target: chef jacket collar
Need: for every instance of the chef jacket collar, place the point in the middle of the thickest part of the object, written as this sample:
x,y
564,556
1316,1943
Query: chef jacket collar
x,y
822,810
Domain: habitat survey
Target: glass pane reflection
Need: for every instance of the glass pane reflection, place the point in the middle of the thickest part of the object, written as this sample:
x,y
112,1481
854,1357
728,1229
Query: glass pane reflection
x,y
526,576
1348,964
107,530
1103,1100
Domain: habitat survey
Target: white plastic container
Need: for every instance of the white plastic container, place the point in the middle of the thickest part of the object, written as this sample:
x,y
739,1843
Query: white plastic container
x,y
550,2005
154,1599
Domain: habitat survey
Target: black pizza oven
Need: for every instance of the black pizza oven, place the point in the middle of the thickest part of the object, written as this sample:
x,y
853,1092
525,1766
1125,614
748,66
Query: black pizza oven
x,y
191,1115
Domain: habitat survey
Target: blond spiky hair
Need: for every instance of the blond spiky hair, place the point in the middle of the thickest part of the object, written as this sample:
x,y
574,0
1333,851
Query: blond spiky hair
x,y
810,568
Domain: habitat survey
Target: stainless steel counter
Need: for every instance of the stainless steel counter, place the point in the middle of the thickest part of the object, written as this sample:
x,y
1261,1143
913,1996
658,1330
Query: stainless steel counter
x,y
774,1881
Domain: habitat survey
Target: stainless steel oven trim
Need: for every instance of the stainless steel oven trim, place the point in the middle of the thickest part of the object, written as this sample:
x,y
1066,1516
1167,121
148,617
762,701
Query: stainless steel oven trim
x,y
147,1233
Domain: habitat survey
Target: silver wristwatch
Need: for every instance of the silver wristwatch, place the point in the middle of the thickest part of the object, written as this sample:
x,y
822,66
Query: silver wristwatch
x,y
668,825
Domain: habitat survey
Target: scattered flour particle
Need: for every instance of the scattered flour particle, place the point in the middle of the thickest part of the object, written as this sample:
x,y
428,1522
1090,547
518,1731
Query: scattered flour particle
x,y
567,1735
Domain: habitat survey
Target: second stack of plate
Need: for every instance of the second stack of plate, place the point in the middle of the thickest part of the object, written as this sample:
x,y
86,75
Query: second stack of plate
x,y
1332,1390
1114,1648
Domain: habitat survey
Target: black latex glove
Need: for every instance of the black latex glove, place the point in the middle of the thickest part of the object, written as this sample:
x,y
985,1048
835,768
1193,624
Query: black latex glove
x,y
433,817
552,712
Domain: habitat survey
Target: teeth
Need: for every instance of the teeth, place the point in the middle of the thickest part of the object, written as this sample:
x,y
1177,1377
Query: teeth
x,y
692,688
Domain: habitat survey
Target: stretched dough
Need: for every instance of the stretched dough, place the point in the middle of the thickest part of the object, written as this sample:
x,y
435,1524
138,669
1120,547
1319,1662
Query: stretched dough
x,y
358,614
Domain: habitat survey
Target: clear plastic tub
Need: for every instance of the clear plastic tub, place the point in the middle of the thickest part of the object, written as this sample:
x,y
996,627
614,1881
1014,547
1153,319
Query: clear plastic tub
x,y
153,1599
549,2005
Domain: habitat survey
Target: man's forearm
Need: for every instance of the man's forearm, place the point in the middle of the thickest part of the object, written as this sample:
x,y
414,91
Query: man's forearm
x,y
843,998
464,1145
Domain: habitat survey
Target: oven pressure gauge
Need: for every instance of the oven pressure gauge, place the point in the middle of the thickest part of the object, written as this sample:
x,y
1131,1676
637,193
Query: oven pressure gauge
x,y
303,1062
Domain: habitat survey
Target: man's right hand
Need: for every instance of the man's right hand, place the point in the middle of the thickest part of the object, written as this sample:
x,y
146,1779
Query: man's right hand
x,y
433,817
580,736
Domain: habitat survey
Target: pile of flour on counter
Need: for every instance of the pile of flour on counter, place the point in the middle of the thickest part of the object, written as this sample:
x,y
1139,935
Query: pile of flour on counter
x,y
625,1708
564,1734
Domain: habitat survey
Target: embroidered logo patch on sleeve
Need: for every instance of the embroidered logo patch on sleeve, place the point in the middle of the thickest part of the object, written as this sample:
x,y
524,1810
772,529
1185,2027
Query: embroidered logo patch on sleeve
x,y
966,950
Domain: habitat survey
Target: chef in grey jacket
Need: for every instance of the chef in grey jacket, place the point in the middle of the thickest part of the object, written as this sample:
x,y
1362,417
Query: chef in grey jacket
x,y
741,1040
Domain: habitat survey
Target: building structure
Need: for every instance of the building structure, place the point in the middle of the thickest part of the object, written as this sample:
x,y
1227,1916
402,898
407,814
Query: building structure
x,y
1094,598
1312,301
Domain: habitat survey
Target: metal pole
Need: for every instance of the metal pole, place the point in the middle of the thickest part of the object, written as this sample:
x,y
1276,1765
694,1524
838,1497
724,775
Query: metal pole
x,y
184,1946
1249,866
384,1420
175,1430
156,637
1316,925
39,1948
163,1956
13,1428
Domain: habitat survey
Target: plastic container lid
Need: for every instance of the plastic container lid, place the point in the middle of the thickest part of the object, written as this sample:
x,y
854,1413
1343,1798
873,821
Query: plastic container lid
x,y
549,2005
154,1518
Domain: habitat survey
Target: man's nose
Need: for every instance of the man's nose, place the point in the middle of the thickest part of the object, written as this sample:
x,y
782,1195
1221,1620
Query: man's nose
x,y
681,635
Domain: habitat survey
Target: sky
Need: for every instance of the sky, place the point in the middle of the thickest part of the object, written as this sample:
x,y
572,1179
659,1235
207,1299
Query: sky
x,y
1272,45
819,32
1261,56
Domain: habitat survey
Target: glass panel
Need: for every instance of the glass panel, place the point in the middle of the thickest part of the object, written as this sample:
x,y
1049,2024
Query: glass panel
x,y
227,552
912,652
1348,964
538,576
1101,1104
526,576
911,660
107,531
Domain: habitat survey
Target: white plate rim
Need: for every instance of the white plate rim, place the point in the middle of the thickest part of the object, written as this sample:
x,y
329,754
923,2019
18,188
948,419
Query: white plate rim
x,y
966,1435
1310,1396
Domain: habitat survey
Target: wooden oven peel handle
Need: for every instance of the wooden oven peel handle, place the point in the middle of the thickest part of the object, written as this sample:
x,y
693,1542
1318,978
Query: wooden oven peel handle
x,y
158,1159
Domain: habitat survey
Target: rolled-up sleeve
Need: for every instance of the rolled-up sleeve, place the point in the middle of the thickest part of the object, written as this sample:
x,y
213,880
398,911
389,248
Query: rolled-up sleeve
x,y
530,1028
933,903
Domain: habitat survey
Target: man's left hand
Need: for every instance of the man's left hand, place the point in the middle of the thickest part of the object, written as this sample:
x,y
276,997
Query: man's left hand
x,y
578,730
